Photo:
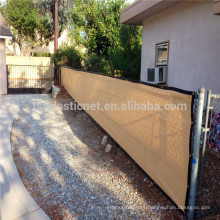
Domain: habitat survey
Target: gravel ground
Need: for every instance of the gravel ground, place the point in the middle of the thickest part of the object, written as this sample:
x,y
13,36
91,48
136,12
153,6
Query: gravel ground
x,y
65,169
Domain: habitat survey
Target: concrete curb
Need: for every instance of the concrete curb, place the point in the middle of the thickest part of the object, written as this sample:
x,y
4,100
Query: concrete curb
x,y
16,202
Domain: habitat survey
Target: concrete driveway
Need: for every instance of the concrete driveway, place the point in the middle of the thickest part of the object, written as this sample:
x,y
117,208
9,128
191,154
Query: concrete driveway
x,y
15,201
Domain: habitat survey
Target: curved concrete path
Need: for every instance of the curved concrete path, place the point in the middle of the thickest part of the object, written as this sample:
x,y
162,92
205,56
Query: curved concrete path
x,y
15,201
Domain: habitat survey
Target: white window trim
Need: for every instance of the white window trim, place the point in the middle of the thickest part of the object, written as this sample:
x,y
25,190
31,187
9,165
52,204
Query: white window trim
x,y
163,63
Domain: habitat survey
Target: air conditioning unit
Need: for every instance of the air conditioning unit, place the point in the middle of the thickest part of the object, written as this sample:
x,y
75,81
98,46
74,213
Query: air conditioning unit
x,y
157,75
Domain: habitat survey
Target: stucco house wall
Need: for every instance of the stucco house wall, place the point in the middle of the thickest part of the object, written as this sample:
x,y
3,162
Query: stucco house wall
x,y
193,33
5,33
3,76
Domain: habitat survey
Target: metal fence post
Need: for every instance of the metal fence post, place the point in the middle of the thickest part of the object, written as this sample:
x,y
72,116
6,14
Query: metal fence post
x,y
60,71
195,158
7,75
205,130
51,74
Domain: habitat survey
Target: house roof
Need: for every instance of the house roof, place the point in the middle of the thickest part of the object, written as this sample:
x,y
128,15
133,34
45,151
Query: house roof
x,y
141,9
4,30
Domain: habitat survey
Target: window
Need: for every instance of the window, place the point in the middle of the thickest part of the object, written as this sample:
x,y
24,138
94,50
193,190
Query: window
x,y
162,54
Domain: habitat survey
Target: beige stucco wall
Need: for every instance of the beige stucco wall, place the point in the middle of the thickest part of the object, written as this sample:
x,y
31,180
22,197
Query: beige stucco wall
x,y
194,51
29,67
3,77
22,60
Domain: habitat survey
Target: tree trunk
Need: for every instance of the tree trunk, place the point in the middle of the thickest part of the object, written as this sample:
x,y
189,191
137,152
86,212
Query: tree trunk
x,y
15,49
21,49
29,51
111,68
12,51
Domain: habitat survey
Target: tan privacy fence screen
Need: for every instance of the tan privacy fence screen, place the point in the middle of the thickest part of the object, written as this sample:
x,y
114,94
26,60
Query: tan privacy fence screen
x,y
158,140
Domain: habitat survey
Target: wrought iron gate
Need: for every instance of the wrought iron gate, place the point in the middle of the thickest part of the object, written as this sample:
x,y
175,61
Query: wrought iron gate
x,y
29,79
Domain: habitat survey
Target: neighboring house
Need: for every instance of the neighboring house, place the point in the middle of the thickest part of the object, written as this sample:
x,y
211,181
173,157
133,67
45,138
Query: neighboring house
x,y
183,36
5,33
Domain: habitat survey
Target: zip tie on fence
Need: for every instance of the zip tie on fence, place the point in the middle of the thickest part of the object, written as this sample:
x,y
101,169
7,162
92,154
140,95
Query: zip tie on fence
x,y
215,96
205,129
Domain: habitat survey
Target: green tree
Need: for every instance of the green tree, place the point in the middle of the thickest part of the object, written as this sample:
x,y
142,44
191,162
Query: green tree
x,y
32,21
96,24
47,11
68,56
27,26
126,58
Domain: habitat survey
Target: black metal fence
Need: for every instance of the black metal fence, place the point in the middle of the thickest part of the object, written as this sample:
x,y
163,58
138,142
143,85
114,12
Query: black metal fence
x,y
57,75
29,78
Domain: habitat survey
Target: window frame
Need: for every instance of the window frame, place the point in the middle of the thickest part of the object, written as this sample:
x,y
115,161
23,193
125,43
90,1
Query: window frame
x,y
156,53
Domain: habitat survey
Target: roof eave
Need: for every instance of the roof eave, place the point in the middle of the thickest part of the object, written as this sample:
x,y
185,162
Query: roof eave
x,y
142,9
4,29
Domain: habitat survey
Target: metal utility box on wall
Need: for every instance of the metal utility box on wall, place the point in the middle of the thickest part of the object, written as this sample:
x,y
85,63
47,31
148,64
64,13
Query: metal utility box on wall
x,y
156,75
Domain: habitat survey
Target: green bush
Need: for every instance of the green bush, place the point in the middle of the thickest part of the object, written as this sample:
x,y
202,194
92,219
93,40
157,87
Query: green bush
x,y
42,54
96,64
127,63
68,56
126,59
